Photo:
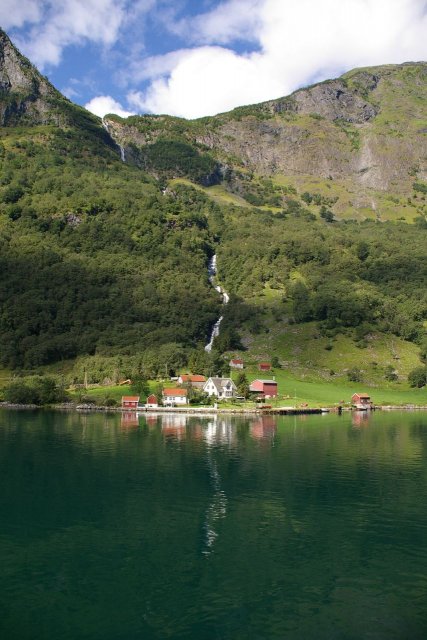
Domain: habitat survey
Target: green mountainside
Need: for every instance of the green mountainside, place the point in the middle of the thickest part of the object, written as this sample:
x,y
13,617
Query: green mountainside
x,y
315,205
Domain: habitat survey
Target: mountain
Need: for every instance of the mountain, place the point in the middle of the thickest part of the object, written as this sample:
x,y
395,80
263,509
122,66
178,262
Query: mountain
x,y
314,204
360,139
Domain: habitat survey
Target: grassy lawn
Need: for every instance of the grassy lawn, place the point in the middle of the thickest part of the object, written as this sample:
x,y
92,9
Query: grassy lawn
x,y
325,393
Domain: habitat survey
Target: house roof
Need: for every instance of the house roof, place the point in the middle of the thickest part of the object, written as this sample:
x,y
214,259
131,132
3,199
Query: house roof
x,y
174,392
236,360
265,381
362,395
220,383
192,378
130,398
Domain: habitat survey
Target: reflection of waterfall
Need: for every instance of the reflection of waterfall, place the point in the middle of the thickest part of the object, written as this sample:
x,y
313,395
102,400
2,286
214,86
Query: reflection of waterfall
x,y
122,149
217,508
225,300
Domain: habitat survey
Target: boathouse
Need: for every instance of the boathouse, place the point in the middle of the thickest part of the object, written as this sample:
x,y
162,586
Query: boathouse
x,y
361,401
266,388
130,403
152,402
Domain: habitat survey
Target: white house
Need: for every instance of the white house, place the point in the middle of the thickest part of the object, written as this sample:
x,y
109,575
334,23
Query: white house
x,y
175,397
220,387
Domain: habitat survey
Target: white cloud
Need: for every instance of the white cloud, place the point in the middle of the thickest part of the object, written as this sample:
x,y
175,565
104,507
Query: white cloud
x,y
16,14
101,105
297,41
57,25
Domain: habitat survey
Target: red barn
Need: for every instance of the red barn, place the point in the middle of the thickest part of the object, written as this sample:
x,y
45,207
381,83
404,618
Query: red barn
x,y
267,388
130,402
264,366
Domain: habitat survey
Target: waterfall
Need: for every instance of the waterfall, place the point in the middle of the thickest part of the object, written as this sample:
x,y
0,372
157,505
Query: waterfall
x,y
225,300
122,149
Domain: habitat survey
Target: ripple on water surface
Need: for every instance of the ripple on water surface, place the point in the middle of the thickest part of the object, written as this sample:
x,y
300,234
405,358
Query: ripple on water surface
x,y
213,527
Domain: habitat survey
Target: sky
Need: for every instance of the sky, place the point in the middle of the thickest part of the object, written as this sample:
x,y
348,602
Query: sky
x,y
192,59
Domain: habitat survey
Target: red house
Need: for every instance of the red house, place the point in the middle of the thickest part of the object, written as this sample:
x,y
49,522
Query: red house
x,y
152,402
264,366
197,381
130,402
361,401
267,388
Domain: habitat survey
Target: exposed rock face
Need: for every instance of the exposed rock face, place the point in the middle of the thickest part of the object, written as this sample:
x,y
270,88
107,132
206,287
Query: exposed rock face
x,y
331,100
365,127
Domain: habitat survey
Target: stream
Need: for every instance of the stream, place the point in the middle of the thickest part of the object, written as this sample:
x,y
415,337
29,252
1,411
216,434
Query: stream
x,y
225,299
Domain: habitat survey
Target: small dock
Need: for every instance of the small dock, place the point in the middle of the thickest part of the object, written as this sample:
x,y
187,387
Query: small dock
x,y
291,411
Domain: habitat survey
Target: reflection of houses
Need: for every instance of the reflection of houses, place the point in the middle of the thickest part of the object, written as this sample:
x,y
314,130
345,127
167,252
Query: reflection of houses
x,y
264,366
220,431
361,401
360,419
236,363
174,425
220,387
196,381
130,402
129,419
263,427
152,402
174,397
266,388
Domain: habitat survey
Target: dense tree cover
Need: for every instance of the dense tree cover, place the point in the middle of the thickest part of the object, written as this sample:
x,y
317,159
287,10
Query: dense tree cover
x,y
93,257
173,158
342,274
96,259
37,390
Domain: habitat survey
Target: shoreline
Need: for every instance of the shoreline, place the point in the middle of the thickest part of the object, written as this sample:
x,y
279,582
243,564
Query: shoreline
x,y
207,411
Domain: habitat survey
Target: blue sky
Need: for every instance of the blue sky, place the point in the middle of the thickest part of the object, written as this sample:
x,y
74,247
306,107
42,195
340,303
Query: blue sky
x,y
191,58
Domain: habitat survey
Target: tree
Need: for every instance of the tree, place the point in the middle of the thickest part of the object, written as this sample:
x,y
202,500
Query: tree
x,y
140,385
418,377
242,385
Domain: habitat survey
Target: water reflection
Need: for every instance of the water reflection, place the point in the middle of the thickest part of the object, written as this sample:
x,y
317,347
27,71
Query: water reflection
x,y
264,428
129,419
360,419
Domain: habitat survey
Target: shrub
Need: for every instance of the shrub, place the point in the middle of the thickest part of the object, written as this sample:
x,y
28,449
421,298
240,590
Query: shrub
x,y
354,375
418,377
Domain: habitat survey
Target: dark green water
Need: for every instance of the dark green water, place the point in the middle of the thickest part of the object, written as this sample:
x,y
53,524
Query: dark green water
x,y
306,528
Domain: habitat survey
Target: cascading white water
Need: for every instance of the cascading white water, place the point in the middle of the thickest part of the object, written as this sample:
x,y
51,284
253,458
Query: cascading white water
x,y
225,300
122,149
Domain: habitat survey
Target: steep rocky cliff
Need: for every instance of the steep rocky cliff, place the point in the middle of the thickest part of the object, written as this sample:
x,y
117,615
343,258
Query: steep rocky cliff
x,y
360,136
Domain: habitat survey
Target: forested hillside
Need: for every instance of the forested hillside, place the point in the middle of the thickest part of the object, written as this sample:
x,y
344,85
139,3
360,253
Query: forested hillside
x,y
98,256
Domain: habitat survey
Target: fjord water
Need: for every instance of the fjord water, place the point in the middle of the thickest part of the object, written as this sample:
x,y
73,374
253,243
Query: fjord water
x,y
182,527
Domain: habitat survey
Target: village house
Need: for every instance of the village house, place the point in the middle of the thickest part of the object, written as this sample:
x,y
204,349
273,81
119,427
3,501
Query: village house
x,y
236,363
220,387
264,366
130,403
266,388
152,402
196,381
174,397
361,401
